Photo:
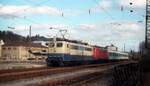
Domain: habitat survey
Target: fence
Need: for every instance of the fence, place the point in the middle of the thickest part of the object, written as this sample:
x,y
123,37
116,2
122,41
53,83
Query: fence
x,y
127,75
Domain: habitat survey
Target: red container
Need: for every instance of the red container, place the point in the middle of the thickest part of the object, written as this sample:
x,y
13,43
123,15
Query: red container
x,y
99,53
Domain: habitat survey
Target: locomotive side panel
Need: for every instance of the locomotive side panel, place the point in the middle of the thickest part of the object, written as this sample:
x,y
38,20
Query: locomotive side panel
x,y
80,52
99,54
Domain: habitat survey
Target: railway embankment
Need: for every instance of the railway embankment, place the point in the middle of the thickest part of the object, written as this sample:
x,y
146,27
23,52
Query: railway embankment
x,y
76,76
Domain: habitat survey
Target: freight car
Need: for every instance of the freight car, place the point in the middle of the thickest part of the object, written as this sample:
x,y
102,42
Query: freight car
x,y
72,52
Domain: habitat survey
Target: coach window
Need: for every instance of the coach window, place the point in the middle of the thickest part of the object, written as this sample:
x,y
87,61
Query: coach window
x,y
115,54
89,49
71,46
59,44
9,48
81,48
125,55
67,45
4,48
14,48
112,54
74,47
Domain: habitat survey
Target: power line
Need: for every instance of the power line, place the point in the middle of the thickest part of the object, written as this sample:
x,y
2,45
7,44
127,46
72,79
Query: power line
x,y
30,20
147,28
95,1
31,2
38,4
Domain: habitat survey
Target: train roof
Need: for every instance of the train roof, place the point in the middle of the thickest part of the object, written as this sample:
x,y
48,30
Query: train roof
x,y
78,42
99,47
68,40
119,52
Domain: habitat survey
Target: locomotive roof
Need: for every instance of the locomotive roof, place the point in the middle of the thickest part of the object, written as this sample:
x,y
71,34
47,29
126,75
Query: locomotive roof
x,y
68,40
78,42
104,48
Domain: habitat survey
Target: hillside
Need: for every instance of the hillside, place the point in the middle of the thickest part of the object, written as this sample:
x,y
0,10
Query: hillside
x,y
8,36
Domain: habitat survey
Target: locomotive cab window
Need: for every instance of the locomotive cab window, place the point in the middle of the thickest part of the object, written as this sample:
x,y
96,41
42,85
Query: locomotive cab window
x,y
59,44
43,50
51,44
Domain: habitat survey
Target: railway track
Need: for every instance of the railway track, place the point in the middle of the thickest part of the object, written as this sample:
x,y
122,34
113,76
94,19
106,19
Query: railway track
x,y
75,80
20,70
37,72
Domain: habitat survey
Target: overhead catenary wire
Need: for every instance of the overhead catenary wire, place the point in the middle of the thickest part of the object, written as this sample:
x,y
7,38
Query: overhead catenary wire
x,y
27,19
38,4
104,10
27,9
108,14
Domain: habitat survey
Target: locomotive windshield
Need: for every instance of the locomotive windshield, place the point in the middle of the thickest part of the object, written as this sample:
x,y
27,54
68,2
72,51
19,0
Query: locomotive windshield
x,y
59,44
51,44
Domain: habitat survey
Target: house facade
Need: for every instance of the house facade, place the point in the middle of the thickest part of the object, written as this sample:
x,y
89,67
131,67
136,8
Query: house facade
x,y
1,43
0,51
22,51
112,48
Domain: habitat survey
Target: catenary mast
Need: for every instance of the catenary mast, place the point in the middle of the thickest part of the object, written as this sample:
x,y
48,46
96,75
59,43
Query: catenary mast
x,y
147,29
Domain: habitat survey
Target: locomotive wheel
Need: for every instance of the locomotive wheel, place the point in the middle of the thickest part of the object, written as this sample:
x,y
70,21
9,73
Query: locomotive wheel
x,y
55,63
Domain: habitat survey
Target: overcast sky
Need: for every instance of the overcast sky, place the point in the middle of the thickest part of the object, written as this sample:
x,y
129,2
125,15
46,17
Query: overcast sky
x,y
101,22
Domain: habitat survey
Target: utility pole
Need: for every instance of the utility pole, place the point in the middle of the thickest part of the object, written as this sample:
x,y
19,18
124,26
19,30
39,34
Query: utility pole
x,y
124,49
29,41
147,26
30,33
